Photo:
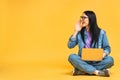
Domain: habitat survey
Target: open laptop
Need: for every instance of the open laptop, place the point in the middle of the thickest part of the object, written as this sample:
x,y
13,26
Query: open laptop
x,y
92,54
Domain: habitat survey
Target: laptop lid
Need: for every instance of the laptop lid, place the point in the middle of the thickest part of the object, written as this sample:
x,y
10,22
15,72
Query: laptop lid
x,y
92,54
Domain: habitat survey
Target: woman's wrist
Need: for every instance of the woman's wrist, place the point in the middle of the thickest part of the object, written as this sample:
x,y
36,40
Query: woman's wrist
x,y
104,54
74,34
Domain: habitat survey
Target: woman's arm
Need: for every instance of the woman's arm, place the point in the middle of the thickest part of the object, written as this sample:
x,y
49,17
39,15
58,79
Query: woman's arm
x,y
73,40
106,45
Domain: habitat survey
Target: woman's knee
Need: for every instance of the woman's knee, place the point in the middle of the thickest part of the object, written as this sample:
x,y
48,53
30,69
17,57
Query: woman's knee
x,y
110,60
71,57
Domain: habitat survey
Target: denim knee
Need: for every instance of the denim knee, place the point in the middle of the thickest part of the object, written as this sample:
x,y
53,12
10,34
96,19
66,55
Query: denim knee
x,y
71,57
110,60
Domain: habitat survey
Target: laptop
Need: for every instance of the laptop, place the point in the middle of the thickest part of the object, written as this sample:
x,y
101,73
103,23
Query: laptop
x,y
92,54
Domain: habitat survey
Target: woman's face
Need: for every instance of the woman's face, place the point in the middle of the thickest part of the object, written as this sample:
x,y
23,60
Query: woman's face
x,y
84,19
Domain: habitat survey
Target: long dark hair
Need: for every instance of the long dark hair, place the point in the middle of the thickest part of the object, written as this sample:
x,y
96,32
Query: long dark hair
x,y
94,29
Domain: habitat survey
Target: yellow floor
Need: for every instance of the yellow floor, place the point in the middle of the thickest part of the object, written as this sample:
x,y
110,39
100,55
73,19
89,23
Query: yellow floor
x,y
46,68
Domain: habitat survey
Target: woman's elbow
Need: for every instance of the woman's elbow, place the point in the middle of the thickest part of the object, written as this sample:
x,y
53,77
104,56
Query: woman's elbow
x,y
69,46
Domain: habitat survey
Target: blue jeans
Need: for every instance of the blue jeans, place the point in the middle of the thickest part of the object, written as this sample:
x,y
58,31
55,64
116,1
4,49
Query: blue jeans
x,y
90,66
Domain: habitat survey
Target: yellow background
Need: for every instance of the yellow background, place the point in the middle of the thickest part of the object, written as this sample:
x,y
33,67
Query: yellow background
x,y
34,36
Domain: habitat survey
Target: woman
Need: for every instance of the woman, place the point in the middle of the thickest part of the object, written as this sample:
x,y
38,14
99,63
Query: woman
x,y
87,34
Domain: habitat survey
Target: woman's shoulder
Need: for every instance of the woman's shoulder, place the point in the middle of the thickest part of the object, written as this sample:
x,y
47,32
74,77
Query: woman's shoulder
x,y
102,31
